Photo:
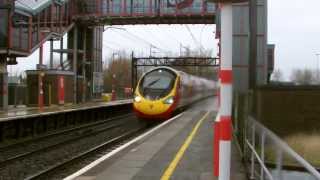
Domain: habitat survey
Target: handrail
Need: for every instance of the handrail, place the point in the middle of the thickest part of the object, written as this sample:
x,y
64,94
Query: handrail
x,y
263,132
265,169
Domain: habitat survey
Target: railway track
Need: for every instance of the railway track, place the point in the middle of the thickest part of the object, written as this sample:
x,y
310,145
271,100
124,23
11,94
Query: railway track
x,y
34,162
18,150
49,172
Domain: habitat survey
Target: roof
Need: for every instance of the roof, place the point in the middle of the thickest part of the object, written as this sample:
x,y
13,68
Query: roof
x,y
35,6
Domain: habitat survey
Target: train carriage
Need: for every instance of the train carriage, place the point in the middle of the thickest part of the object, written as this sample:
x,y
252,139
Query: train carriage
x,y
163,90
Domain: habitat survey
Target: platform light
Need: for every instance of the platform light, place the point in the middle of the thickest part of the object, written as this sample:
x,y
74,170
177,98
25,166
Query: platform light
x,y
137,99
169,100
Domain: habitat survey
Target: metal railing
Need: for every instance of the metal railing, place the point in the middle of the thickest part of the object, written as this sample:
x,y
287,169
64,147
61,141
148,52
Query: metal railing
x,y
257,154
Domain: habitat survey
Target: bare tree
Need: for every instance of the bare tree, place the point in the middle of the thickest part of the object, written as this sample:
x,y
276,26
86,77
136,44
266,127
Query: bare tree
x,y
277,75
303,76
118,73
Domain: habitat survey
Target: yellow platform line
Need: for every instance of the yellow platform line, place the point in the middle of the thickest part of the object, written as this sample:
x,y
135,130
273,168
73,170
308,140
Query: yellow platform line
x,y
172,166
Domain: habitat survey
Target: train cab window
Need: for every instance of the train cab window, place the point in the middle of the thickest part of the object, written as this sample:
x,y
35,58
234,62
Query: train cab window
x,y
157,84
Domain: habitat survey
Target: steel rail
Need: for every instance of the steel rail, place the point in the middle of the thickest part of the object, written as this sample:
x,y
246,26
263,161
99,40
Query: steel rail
x,y
39,138
80,156
49,147
56,145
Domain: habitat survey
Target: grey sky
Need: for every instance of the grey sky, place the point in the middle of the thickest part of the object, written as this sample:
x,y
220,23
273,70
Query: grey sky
x,y
294,27
165,38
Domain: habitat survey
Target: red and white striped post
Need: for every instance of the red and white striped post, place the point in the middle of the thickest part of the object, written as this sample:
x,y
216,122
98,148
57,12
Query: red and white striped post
x,y
222,141
216,126
225,92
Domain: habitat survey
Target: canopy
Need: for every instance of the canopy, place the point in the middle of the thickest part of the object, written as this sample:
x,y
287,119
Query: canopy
x,y
35,6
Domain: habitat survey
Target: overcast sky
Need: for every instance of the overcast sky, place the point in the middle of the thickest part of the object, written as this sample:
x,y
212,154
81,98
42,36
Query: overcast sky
x,y
294,28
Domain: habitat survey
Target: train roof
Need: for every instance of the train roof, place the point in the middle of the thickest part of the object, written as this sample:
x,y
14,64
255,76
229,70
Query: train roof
x,y
177,72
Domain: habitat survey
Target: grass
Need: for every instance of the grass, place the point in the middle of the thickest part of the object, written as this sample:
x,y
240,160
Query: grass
x,y
306,145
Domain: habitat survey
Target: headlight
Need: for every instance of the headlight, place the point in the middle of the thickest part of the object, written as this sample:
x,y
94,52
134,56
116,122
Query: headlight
x,y
169,100
137,99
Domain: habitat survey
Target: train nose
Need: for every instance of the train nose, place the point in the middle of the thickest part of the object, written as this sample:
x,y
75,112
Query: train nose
x,y
151,107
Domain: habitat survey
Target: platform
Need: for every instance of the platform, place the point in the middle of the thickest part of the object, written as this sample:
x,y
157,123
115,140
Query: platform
x,y
27,112
165,152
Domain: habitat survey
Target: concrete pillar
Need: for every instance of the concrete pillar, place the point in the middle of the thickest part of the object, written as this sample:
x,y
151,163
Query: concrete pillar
x,y
94,48
3,84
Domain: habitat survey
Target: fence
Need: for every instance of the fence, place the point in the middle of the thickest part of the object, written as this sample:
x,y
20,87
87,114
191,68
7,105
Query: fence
x,y
266,154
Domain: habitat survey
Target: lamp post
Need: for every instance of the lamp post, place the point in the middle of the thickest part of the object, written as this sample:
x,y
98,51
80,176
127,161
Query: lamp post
x,y
113,92
317,55
41,74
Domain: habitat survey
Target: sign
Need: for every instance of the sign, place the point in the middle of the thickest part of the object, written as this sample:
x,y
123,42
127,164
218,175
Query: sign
x,y
180,4
97,82
228,1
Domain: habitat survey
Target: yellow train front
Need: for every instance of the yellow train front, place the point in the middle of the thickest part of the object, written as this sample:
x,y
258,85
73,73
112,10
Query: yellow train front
x,y
163,90
156,94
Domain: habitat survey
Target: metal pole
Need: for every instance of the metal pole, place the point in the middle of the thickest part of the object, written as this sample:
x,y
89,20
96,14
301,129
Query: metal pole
x,y
40,74
113,88
84,61
279,164
318,67
40,89
51,53
253,44
75,53
3,84
262,154
132,73
253,139
41,50
226,92
61,53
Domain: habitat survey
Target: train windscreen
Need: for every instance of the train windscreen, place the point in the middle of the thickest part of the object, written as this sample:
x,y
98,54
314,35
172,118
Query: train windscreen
x,y
157,84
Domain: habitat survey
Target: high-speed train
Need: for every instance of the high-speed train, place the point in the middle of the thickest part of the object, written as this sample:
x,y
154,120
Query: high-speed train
x,y
163,90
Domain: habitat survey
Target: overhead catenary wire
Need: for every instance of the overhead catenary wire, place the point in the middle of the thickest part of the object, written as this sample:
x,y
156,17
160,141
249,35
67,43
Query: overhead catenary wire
x,y
157,43
157,38
192,36
180,44
172,37
104,45
201,47
131,38
145,41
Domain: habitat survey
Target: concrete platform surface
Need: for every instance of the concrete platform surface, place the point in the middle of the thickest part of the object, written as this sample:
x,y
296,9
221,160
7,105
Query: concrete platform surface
x,y
21,112
150,158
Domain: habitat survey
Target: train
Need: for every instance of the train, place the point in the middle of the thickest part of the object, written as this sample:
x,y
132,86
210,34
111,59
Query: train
x,y
163,90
